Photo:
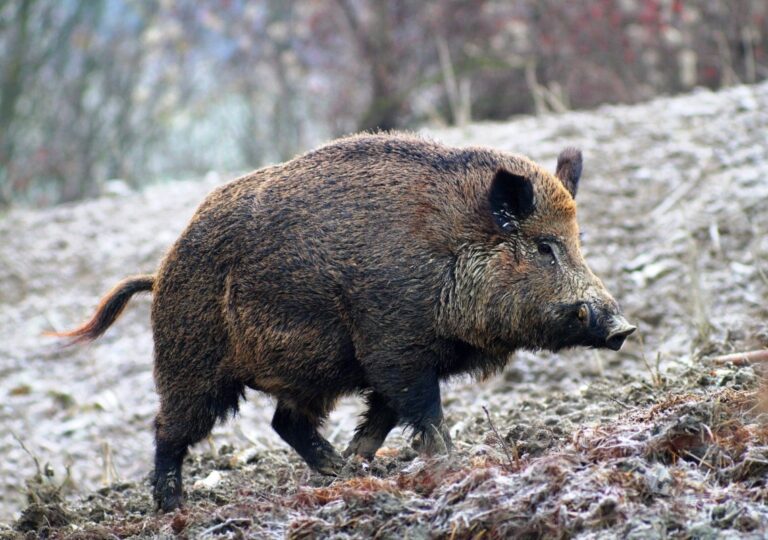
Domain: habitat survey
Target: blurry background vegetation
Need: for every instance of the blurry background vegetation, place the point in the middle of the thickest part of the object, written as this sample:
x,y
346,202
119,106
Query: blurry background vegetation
x,y
93,90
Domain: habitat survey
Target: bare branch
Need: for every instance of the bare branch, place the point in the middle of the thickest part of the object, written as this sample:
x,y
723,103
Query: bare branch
x,y
742,358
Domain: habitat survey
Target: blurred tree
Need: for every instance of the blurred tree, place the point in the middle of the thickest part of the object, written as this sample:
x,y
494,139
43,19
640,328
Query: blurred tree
x,y
26,52
382,55
95,89
13,75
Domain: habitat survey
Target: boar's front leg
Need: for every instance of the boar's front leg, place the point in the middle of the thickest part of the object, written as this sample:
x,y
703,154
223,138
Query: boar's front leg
x,y
377,422
298,427
412,389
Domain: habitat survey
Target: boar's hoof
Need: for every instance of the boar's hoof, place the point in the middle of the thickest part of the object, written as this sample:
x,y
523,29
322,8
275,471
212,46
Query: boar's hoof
x,y
328,463
365,447
433,440
167,493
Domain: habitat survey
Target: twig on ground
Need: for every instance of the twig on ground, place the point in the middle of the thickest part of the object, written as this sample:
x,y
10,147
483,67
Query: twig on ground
x,y
699,460
513,464
109,473
29,453
742,358
228,523
656,378
623,405
212,446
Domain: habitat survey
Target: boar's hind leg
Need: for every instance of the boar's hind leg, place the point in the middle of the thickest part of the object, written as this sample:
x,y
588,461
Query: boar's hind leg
x,y
413,391
166,479
377,422
185,418
299,429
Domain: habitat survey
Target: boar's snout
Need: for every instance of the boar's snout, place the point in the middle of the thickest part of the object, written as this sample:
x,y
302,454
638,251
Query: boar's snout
x,y
621,330
606,327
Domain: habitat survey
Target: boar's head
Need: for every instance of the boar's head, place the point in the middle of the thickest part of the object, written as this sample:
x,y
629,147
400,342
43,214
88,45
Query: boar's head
x,y
526,284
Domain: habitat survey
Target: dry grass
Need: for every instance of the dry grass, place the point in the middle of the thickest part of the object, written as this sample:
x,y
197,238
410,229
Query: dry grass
x,y
692,464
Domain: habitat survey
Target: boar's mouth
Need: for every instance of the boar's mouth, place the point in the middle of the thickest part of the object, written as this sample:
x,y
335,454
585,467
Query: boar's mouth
x,y
620,332
586,324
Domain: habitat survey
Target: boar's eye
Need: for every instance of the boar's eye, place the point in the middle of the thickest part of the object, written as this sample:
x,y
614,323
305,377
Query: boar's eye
x,y
546,252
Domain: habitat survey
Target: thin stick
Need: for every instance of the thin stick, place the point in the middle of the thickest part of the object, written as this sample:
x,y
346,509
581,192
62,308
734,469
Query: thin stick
x,y
24,447
656,378
504,446
624,405
742,358
228,523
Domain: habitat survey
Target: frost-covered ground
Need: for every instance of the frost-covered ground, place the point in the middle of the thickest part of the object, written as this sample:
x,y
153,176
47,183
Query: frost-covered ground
x,y
673,207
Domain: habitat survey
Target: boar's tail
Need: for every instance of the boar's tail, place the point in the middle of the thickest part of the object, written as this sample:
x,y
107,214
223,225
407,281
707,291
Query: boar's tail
x,y
110,308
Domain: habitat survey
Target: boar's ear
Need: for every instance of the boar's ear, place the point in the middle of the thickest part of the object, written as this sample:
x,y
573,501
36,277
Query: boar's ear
x,y
569,169
511,199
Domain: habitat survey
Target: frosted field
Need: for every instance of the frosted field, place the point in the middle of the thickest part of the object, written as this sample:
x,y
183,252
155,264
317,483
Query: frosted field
x,y
673,208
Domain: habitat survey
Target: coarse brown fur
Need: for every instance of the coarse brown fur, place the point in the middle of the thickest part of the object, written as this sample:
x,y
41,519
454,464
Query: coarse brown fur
x,y
378,264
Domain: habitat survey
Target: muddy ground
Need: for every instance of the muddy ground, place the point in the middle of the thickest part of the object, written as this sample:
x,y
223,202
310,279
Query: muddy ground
x,y
655,441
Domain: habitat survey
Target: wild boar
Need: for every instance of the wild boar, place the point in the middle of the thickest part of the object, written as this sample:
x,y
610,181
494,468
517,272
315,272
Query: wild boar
x,y
378,265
